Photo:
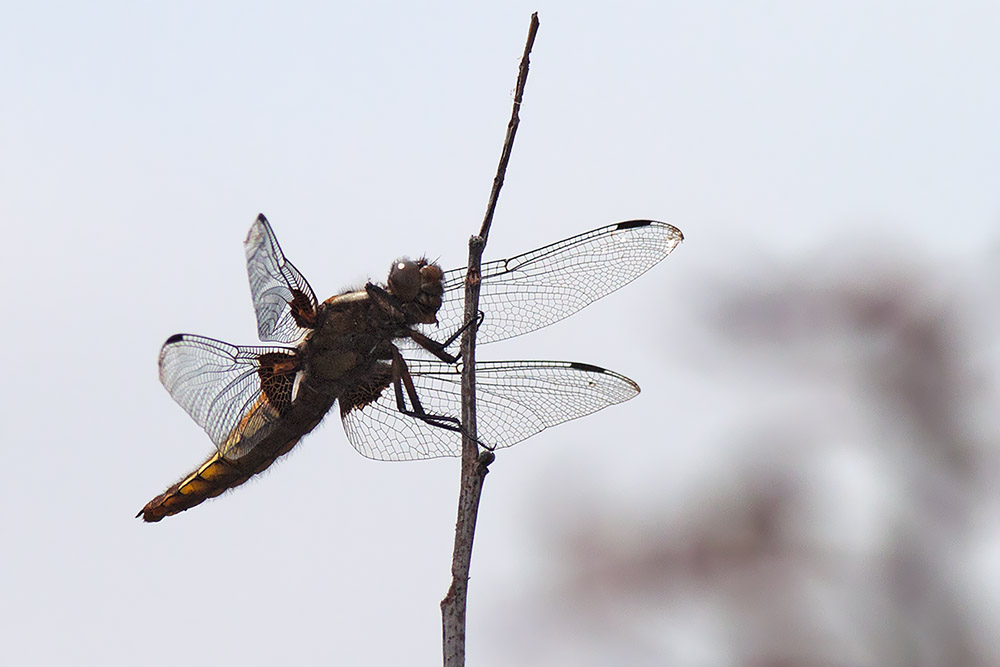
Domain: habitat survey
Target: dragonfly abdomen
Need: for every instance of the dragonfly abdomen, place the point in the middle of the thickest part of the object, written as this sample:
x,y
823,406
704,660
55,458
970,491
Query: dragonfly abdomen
x,y
210,479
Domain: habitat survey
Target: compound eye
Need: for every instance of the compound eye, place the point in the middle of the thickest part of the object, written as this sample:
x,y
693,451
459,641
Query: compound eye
x,y
404,280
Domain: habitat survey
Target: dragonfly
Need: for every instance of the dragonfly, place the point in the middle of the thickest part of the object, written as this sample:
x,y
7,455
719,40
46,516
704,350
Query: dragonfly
x,y
388,355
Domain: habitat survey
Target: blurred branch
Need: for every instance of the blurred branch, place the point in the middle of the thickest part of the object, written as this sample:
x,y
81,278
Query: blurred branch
x,y
474,465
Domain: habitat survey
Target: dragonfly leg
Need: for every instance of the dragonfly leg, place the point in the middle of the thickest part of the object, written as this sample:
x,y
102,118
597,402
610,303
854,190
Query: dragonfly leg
x,y
478,321
385,300
402,380
434,347
439,350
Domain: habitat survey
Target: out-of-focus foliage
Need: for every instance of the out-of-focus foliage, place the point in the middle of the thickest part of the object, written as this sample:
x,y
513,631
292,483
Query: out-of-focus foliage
x,y
854,517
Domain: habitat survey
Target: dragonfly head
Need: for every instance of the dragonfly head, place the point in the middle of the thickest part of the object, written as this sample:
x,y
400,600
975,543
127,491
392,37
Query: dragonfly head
x,y
417,285
404,279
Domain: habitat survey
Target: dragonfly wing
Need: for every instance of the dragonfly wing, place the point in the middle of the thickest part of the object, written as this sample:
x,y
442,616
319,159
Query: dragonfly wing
x,y
378,430
237,394
535,289
514,399
284,302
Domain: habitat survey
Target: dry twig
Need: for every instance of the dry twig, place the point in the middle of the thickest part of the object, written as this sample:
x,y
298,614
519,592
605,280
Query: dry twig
x,y
474,464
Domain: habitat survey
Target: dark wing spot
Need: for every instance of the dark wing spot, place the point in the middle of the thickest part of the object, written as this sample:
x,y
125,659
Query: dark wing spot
x,y
632,224
365,391
277,378
590,368
303,311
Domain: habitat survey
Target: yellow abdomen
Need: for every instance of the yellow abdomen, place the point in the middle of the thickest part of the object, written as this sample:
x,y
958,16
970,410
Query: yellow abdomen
x,y
212,478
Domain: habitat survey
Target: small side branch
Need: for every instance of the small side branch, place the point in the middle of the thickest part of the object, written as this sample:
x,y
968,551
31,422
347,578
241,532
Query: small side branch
x,y
474,464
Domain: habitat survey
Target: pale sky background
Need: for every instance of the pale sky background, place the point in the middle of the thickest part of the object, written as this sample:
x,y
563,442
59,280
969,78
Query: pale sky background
x,y
793,143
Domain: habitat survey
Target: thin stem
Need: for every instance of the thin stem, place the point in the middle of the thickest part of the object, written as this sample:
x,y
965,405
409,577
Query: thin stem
x,y
515,120
474,465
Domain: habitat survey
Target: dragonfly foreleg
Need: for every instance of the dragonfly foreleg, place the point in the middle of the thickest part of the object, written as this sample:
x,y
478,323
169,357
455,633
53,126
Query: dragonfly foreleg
x,y
385,299
478,321
440,350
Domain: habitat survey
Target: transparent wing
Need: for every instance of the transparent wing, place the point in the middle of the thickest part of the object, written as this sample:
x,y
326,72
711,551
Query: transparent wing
x,y
284,301
235,393
537,288
514,400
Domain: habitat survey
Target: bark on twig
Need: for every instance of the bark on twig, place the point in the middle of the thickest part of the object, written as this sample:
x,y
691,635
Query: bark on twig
x,y
474,464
